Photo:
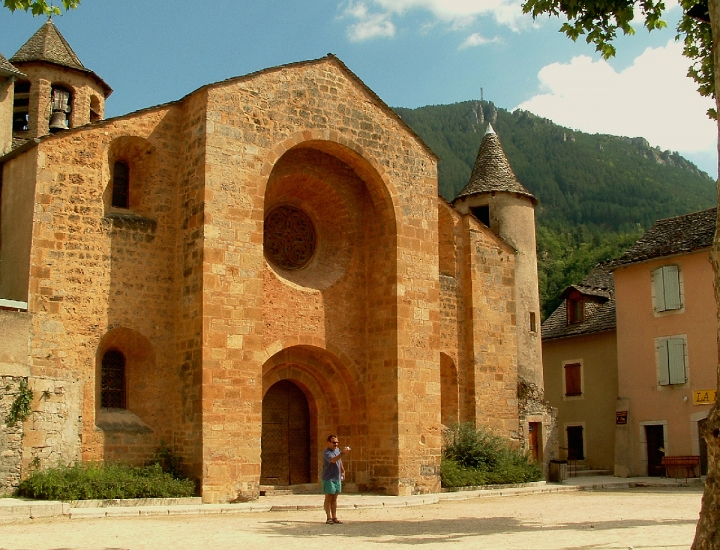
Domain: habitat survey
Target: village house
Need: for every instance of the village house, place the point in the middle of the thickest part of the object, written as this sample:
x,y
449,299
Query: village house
x,y
243,271
580,371
630,355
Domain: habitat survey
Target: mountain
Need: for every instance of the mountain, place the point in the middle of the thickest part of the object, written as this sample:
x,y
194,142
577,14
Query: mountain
x,y
597,192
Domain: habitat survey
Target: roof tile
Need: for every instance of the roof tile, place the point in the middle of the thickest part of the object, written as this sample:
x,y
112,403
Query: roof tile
x,y
671,236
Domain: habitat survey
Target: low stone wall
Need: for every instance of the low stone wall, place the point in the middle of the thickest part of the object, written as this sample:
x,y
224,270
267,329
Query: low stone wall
x,y
11,437
53,430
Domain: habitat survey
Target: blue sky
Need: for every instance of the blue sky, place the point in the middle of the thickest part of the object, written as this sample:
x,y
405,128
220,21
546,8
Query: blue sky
x,y
410,52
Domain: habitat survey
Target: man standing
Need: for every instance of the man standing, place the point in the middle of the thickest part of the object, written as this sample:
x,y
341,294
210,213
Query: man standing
x,y
332,475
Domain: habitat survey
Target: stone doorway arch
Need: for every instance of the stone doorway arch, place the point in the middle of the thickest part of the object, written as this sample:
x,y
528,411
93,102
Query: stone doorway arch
x,y
285,440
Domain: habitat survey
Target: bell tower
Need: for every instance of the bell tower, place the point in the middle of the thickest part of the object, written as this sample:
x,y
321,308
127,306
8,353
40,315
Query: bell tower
x,y
57,92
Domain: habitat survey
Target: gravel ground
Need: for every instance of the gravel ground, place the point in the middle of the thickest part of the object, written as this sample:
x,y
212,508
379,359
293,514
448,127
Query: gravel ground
x,y
628,518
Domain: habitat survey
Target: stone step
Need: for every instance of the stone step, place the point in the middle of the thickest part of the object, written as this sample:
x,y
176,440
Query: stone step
x,y
301,489
586,473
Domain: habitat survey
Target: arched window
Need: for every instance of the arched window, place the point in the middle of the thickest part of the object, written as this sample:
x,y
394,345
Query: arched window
x,y
112,389
95,109
121,185
21,106
60,107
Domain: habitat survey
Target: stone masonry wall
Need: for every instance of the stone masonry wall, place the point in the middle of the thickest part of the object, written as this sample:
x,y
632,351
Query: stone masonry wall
x,y
252,123
10,437
95,269
491,304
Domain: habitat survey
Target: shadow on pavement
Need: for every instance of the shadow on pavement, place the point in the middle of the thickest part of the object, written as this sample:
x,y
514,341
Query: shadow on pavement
x,y
441,530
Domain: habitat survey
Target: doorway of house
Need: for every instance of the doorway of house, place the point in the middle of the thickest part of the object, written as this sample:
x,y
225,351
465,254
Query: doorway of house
x,y
285,444
703,447
535,441
575,445
655,442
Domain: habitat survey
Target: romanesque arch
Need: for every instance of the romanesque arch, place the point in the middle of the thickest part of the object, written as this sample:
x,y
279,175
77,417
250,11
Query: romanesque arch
x,y
335,404
449,391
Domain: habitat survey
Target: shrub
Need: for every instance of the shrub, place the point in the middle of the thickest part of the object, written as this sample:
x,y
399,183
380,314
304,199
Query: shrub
x,y
480,457
104,481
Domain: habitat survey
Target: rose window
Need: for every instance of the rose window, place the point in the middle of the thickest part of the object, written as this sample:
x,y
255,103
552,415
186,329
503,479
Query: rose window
x,y
289,237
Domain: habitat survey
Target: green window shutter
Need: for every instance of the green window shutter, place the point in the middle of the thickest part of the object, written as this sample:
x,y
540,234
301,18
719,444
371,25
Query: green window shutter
x,y
659,290
671,281
676,360
663,372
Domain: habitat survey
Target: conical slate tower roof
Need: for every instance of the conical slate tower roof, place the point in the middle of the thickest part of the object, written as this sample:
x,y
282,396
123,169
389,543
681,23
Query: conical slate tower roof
x,y
492,171
48,45
6,68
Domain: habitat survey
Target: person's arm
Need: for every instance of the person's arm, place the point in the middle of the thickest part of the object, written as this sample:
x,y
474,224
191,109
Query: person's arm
x,y
339,456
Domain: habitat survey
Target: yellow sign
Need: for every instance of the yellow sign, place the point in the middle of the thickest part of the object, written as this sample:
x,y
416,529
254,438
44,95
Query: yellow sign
x,y
704,397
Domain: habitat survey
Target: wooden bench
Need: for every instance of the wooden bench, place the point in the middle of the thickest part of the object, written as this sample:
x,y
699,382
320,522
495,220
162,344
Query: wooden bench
x,y
675,465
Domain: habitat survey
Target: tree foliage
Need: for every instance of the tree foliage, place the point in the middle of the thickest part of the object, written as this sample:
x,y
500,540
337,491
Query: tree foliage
x,y
41,7
600,20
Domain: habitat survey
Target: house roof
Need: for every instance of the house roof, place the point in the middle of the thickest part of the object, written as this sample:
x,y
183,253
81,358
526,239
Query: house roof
x,y
492,171
671,236
599,309
7,69
47,45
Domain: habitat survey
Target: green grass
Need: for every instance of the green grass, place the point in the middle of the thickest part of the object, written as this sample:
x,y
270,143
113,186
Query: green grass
x,y
480,457
83,481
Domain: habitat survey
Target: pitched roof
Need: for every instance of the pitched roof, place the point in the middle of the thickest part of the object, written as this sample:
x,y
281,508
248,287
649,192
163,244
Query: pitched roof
x,y
7,69
49,46
599,310
671,236
492,171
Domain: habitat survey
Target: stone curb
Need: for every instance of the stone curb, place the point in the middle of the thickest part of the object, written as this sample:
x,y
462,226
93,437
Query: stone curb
x,y
22,509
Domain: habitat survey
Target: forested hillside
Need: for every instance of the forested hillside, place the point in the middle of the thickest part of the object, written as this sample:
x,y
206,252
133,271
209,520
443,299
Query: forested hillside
x,y
597,192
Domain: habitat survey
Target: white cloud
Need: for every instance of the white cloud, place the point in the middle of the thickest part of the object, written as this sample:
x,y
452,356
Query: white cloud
x,y
369,25
477,39
652,98
457,14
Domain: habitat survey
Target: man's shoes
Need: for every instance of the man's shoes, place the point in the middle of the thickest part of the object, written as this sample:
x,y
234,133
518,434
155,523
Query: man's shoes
x,y
330,521
336,520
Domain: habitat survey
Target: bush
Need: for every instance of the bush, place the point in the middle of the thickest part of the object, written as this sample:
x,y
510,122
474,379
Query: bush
x,y
104,481
479,457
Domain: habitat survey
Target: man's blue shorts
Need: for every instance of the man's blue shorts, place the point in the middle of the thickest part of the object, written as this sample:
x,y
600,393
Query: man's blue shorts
x,y
331,487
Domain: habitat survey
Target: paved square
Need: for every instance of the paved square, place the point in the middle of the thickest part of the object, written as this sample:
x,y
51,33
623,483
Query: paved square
x,y
611,519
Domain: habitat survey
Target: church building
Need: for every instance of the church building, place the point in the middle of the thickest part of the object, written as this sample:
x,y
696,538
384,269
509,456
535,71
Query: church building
x,y
239,273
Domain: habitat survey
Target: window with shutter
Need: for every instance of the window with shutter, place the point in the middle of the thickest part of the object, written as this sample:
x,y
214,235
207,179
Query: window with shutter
x,y
575,308
573,380
671,361
666,282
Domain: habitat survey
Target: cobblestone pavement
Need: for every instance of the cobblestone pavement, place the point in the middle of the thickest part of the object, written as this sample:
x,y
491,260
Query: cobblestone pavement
x,y
639,518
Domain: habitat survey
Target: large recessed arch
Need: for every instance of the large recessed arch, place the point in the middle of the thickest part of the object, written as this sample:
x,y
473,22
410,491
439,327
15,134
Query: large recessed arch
x,y
382,190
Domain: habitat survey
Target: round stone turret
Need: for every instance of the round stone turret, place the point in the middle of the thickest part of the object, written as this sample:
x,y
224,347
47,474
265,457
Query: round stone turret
x,y
497,199
58,92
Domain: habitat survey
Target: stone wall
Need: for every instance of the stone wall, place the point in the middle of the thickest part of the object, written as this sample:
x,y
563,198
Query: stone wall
x,y
10,437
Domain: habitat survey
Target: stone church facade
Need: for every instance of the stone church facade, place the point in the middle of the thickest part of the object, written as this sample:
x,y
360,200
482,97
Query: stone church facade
x,y
239,273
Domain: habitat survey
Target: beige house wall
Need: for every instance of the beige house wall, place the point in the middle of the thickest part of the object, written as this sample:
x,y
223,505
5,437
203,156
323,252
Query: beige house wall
x,y
595,408
637,327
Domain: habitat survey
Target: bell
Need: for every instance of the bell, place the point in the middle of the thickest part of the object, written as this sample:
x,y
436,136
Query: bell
x,y
58,121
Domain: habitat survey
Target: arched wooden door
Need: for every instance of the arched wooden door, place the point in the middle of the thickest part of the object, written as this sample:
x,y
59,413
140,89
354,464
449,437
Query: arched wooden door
x,y
285,443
